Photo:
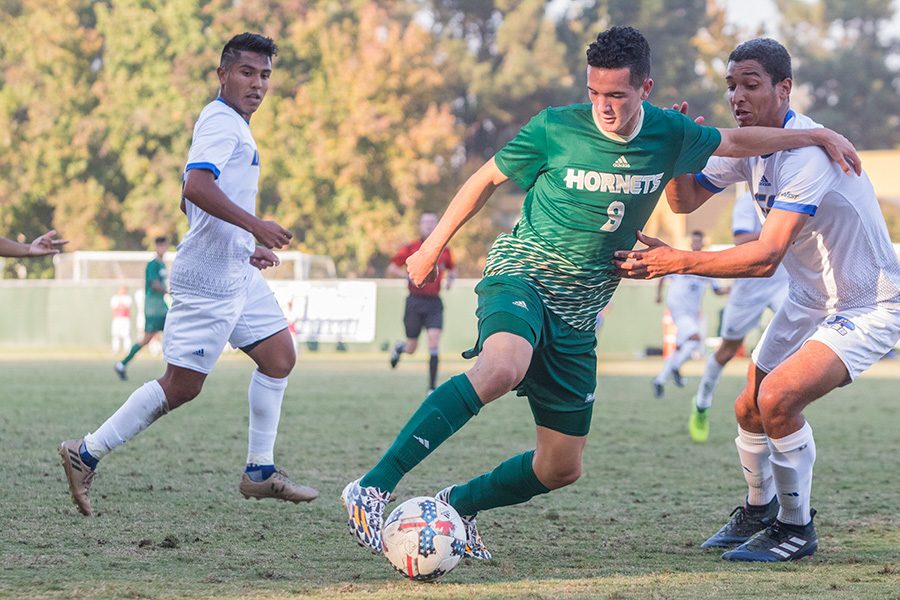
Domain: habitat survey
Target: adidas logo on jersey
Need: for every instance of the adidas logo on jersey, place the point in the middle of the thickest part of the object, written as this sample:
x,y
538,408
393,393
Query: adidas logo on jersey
x,y
763,181
621,163
520,304
199,353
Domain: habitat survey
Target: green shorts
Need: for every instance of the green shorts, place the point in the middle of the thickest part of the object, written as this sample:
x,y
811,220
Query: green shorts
x,y
154,323
562,376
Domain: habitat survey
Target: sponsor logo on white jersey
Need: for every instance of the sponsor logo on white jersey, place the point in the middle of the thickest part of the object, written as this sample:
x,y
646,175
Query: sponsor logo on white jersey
x,y
621,163
614,183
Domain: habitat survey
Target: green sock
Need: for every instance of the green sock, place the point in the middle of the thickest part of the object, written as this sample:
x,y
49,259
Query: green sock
x,y
134,350
511,482
443,412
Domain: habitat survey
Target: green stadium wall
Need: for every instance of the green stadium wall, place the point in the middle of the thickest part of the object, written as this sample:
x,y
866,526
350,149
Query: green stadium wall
x,y
72,317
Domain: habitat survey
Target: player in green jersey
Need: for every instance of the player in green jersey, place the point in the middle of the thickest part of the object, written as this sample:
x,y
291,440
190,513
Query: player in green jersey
x,y
593,174
155,307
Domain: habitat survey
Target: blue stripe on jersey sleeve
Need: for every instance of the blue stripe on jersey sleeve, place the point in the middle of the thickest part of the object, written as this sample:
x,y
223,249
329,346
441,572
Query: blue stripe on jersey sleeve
x,y
740,231
708,185
203,165
807,209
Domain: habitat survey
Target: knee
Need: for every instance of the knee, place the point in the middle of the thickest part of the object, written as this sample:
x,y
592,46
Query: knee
x,y
176,395
775,404
560,475
411,346
505,377
745,410
279,367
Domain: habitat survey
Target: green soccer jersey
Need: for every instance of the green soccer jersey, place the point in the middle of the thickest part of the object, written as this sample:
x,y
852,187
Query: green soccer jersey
x,y
154,301
588,192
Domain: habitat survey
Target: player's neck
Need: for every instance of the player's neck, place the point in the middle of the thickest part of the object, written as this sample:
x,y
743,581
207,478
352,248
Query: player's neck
x,y
233,107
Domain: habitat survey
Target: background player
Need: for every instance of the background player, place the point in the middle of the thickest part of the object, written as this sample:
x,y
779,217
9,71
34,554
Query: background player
x,y
841,316
120,329
424,307
218,292
749,298
155,307
587,192
685,303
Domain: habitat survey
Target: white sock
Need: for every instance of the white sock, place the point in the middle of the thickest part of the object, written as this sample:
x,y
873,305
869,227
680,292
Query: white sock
x,y
792,461
676,359
145,405
265,396
753,450
708,382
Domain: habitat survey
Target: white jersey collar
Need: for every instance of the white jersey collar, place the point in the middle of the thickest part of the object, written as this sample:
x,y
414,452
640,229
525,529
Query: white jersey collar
x,y
615,136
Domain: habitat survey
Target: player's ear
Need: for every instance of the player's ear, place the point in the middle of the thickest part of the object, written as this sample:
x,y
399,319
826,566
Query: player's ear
x,y
645,88
784,88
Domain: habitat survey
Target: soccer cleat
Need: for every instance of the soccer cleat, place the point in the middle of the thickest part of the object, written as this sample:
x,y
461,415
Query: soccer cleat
x,y
658,390
365,513
677,379
745,522
698,424
778,542
120,371
475,547
79,475
279,486
396,351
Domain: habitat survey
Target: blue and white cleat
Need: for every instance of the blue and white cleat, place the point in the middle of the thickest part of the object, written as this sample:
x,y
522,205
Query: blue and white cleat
x,y
365,513
475,547
745,522
778,543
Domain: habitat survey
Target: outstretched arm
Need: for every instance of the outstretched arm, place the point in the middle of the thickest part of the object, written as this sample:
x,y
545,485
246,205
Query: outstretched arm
x,y
41,246
758,258
470,199
757,141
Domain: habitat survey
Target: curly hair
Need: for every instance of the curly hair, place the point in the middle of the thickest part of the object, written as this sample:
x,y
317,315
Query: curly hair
x,y
619,47
772,56
249,42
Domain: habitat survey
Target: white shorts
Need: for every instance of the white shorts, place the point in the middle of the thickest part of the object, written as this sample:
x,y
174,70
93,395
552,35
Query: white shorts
x,y
859,336
121,327
739,319
198,327
687,325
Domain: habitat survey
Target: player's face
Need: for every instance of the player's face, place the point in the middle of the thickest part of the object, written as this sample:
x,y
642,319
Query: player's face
x,y
616,103
427,224
696,243
754,99
161,248
246,81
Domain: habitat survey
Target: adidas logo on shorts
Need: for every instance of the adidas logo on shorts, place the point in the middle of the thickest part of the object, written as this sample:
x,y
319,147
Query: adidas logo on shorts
x,y
199,353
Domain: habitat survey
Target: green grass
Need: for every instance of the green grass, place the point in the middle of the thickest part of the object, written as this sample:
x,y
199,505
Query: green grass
x,y
170,522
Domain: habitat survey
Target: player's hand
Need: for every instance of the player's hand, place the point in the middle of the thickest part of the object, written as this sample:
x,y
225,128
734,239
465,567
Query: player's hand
x,y
271,235
263,258
422,267
656,260
46,244
840,150
683,109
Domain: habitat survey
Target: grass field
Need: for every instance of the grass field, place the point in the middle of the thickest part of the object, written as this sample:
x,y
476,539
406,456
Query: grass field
x,y
170,522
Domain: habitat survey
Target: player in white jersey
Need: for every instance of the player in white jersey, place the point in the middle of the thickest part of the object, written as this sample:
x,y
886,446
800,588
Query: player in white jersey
x,y
842,313
749,298
685,303
218,292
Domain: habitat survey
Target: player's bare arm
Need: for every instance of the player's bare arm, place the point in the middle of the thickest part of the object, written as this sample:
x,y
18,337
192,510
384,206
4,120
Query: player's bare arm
x,y
201,189
757,141
758,258
41,246
471,197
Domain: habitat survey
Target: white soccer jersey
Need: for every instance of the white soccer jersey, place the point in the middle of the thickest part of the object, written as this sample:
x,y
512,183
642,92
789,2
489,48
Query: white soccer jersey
x,y
213,256
843,257
685,294
752,291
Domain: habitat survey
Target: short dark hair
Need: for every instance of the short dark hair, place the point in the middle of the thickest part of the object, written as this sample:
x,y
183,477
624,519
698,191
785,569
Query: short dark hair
x,y
619,47
161,240
246,42
698,232
772,56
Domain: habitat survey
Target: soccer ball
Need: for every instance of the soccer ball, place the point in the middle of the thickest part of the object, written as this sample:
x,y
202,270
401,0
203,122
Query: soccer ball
x,y
424,538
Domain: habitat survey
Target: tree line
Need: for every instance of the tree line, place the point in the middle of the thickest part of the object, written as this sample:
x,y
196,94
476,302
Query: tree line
x,y
378,110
